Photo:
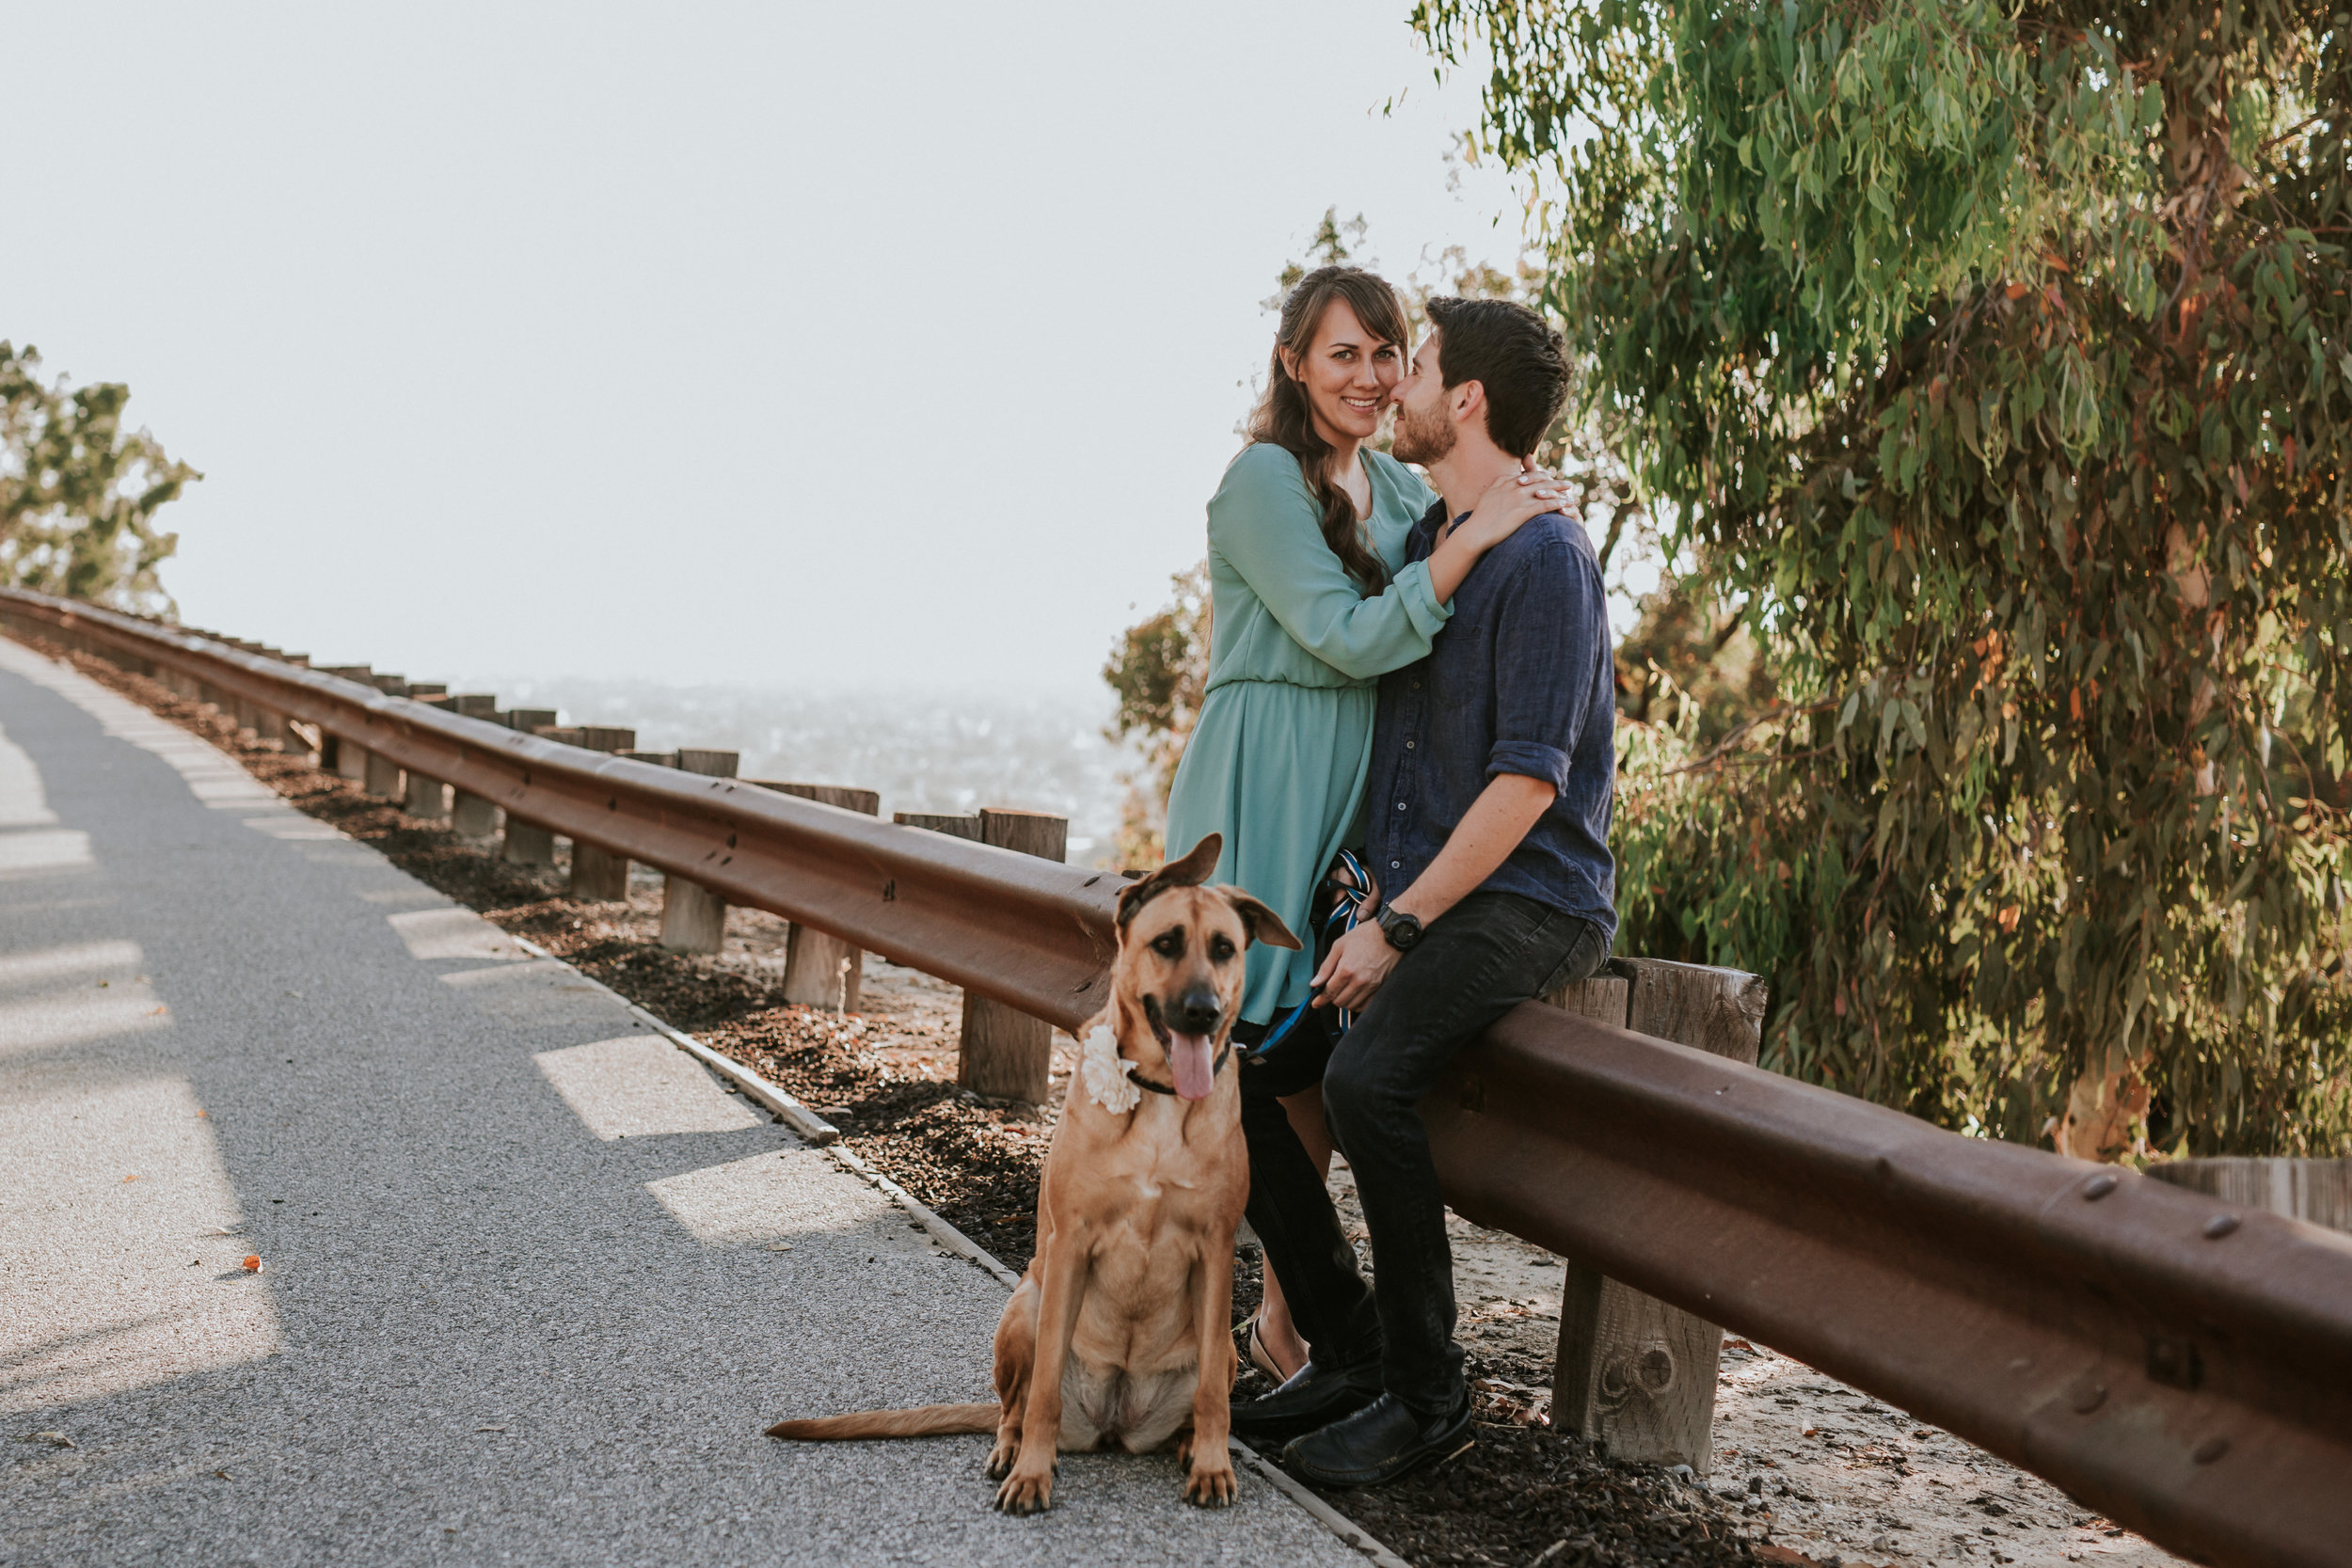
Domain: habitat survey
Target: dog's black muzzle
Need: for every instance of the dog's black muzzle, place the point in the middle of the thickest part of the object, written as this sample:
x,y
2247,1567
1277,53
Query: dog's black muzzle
x,y
1195,1011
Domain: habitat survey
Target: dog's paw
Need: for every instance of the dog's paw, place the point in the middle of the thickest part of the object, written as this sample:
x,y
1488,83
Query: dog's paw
x,y
1183,1451
1000,1460
1025,1494
1210,1488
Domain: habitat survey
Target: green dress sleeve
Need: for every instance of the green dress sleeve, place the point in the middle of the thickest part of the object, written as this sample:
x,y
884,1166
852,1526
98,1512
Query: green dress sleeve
x,y
1265,523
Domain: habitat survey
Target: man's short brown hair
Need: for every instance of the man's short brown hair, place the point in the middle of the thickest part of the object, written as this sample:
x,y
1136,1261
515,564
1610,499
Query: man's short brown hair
x,y
1517,356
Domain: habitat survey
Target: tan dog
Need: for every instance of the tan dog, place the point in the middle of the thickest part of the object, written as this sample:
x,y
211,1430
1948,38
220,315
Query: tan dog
x,y
1119,1334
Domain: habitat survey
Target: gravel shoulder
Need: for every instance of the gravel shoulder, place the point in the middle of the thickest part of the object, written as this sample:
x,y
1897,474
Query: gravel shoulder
x,y
1806,1470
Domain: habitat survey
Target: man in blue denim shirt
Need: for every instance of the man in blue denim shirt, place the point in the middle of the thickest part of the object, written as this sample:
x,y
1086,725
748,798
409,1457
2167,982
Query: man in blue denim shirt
x,y
1492,769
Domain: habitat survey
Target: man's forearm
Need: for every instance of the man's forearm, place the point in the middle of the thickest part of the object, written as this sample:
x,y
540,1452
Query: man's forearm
x,y
1509,805
1483,840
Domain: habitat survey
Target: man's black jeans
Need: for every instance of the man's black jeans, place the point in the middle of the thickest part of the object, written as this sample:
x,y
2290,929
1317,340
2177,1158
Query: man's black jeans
x,y
1485,955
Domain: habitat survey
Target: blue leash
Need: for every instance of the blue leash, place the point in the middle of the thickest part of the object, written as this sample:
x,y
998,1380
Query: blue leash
x,y
1348,907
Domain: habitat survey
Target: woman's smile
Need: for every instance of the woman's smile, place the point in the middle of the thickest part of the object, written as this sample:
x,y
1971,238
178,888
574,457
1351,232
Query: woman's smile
x,y
1347,376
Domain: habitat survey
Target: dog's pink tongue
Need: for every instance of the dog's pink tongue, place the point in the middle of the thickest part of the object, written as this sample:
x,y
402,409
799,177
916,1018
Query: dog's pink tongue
x,y
1188,1057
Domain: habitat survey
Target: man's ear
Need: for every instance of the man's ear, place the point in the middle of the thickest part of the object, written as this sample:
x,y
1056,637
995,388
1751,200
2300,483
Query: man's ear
x,y
1468,400
1193,870
1262,924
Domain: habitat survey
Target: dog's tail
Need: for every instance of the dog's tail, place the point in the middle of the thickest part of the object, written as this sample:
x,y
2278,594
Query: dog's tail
x,y
930,1420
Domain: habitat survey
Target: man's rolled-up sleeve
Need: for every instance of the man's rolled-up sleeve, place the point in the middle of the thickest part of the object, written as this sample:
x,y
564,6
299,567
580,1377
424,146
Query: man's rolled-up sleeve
x,y
1544,653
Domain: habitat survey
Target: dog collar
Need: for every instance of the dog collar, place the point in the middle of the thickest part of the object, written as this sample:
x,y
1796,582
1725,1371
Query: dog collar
x,y
1139,1081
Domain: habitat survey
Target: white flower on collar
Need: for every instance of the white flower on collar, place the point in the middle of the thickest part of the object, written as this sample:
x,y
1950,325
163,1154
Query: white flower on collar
x,y
1106,1070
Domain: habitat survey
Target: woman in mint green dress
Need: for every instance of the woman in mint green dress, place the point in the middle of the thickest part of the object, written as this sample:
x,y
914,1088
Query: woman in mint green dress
x,y
1312,603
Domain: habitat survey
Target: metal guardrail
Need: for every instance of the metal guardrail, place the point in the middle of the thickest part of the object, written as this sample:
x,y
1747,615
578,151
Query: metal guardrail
x,y
2181,1364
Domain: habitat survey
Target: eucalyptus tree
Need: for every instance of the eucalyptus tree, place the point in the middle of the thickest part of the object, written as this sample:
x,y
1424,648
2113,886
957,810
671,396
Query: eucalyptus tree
x,y
78,493
1997,359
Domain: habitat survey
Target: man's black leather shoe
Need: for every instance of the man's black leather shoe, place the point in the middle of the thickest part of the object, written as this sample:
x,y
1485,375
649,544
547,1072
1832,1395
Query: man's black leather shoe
x,y
1378,1444
1314,1397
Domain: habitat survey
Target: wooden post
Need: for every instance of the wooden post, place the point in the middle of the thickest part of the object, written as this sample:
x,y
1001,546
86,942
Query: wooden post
x,y
383,777
694,918
428,798
529,843
1634,1372
955,825
347,757
1004,1053
821,971
472,815
2318,1192
597,872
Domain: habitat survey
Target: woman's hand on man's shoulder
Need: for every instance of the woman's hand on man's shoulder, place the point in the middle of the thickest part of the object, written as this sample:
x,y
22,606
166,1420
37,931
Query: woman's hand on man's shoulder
x,y
1509,503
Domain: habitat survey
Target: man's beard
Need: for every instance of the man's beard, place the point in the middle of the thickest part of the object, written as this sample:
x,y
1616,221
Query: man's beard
x,y
1417,443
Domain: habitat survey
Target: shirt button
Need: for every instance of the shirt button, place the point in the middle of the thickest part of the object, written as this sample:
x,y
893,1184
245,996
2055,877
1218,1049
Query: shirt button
x,y
1416,686
1400,806
1409,745
1394,865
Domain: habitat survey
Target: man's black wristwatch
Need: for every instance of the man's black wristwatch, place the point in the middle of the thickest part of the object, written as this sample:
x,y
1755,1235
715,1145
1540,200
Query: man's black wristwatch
x,y
1401,929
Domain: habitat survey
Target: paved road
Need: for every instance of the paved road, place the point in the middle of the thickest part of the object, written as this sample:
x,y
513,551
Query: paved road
x,y
531,1282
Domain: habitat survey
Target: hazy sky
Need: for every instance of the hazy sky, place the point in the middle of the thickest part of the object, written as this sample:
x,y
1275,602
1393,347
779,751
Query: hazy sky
x,y
868,344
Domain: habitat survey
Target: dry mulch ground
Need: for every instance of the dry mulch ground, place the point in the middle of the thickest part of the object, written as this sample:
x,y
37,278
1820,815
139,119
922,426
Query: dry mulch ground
x,y
1523,1494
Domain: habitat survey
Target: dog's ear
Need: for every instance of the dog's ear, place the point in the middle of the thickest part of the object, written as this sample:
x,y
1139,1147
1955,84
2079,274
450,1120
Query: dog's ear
x,y
1262,924
1193,869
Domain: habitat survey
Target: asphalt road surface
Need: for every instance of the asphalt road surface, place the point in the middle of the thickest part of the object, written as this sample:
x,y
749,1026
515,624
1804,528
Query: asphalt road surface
x,y
531,1282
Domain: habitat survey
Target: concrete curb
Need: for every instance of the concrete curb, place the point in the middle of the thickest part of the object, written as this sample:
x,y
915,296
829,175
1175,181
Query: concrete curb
x,y
947,1235
1349,1533
824,1134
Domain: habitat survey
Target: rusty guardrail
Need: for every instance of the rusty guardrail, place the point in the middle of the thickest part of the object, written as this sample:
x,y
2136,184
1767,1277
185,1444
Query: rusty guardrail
x,y
2182,1364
